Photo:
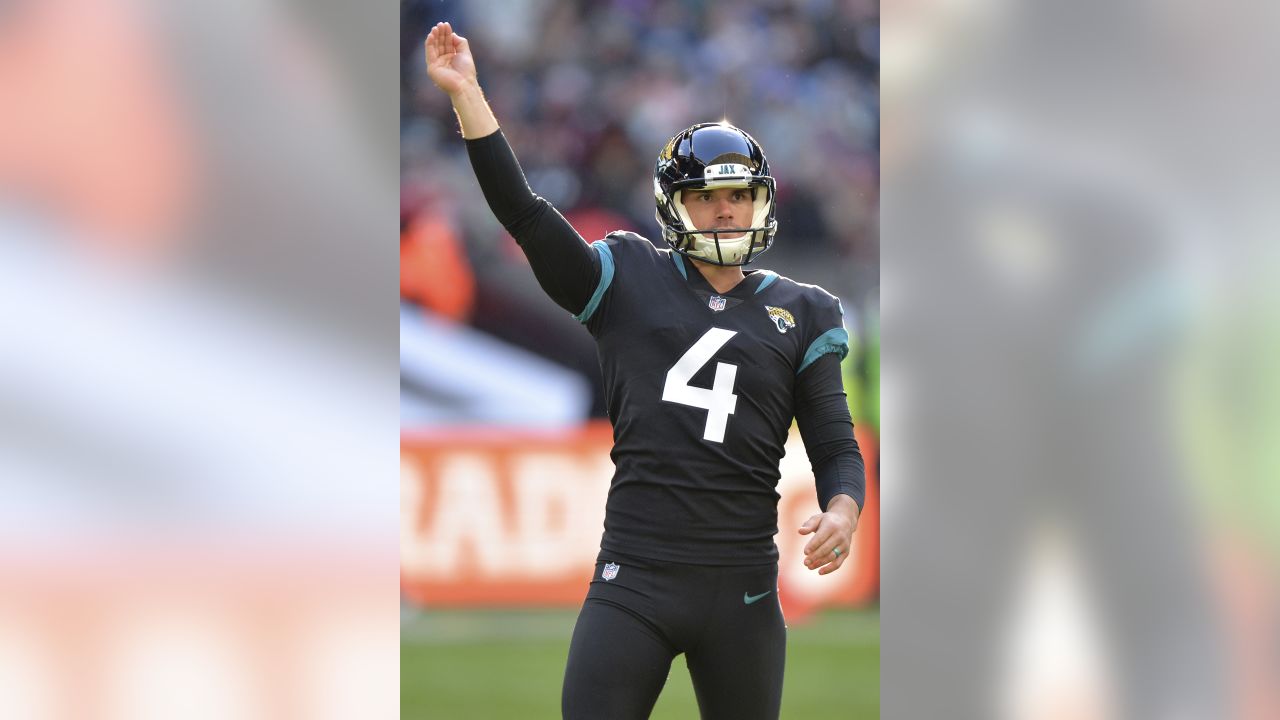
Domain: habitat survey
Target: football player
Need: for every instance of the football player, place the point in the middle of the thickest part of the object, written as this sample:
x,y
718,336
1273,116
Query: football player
x,y
705,365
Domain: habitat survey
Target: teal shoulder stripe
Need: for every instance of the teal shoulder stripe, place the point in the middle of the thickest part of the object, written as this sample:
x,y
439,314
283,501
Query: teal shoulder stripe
x,y
606,279
835,340
675,258
769,278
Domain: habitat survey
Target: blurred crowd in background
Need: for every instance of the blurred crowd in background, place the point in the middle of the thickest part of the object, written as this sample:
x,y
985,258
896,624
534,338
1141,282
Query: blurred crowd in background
x,y
588,93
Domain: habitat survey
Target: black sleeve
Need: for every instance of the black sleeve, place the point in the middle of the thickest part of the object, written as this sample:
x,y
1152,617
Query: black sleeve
x,y
827,430
567,267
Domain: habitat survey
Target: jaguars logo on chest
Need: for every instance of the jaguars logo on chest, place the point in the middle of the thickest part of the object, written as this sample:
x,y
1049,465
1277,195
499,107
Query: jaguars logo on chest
x,y
781,318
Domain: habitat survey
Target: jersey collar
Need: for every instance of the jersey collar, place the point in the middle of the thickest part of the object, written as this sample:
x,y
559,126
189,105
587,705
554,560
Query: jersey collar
x,y
754,281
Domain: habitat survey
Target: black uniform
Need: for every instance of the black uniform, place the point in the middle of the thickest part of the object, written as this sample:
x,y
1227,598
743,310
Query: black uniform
x,y
701,400
701,388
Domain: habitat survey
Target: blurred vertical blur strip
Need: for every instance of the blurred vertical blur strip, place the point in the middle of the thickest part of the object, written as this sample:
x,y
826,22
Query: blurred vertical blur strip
x,y
198,359
1080,505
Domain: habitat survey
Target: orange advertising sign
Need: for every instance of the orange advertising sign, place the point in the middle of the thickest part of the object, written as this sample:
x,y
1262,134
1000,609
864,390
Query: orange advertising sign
x,y
498,518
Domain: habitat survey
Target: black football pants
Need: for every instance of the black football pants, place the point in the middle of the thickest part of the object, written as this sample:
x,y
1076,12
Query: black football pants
x,y
726,620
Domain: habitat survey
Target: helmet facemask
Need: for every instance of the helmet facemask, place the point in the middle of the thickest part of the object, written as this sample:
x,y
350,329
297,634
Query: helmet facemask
x,y
740,165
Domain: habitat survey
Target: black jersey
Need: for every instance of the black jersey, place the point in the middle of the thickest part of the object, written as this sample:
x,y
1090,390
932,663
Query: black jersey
x,y
700,389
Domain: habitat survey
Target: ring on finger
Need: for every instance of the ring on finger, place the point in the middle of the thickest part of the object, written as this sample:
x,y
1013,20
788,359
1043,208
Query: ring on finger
x,y
836,551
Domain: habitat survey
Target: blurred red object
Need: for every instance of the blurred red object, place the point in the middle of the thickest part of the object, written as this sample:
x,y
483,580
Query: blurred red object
x,y
593,223
434,270
95,133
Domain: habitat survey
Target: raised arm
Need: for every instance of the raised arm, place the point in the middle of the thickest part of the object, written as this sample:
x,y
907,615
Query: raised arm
x,y
566,267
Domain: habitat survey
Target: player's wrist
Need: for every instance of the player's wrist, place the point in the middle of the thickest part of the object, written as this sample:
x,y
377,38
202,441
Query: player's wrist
x,y
845,505
468,91
475,117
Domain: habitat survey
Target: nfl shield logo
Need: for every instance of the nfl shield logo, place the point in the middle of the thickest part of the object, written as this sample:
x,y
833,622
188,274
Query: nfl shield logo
x,y
610,571
716,303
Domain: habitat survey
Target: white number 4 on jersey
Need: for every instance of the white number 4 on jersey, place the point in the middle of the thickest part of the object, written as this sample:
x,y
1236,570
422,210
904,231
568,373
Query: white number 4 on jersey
x,y
719,401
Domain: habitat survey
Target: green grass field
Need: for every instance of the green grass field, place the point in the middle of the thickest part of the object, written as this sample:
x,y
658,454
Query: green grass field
x,y
495,665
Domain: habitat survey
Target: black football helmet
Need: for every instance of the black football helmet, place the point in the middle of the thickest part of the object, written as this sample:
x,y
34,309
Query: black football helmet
x,y
710,156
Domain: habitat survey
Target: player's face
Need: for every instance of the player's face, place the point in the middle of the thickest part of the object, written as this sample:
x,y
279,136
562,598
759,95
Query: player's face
x,y
720,208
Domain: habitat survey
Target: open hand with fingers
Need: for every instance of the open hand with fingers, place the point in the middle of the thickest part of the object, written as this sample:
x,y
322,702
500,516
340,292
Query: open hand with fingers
x,y
449,62
832,535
